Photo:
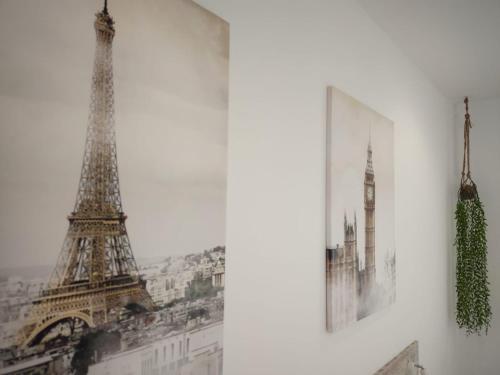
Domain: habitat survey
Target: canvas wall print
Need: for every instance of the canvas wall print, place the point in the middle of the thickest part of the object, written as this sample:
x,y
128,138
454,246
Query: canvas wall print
x,y
360,248
113,119
405,363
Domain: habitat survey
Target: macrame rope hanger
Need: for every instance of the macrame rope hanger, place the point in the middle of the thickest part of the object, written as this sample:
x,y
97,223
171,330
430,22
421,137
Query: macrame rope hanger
x,y
468,188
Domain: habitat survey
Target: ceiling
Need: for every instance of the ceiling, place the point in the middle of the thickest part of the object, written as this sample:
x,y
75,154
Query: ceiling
x,y
456,43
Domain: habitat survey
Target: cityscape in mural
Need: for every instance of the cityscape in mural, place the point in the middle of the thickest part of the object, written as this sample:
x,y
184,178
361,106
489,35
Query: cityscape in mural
x,y
360,252
104,306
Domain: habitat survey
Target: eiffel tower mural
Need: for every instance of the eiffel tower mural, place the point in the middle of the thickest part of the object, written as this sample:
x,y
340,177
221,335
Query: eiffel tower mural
x,y
96,275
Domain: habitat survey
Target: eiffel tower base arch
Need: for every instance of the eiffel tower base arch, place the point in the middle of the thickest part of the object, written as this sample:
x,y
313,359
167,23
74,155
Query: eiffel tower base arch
x,y
94,307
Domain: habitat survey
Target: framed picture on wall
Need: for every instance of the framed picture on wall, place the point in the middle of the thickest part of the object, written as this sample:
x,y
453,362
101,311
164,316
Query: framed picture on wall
x,y
360,244
126,276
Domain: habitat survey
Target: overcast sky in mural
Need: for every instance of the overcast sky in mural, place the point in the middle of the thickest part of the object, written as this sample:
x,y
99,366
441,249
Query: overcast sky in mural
x,y
352,123
171,122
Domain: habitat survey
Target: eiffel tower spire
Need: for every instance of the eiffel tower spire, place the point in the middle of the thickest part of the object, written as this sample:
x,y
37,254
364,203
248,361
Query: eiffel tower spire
x,y
96,274
99,190
97,246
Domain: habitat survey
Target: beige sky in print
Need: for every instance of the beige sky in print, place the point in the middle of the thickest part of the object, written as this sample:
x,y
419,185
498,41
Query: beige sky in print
x,y
171,79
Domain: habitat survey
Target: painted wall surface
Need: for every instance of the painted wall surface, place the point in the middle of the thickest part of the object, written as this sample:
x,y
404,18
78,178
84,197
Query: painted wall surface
x,y
479,355
283,54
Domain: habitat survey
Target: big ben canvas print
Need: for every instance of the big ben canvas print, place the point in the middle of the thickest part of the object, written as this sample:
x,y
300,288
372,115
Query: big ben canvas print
x,y
360,245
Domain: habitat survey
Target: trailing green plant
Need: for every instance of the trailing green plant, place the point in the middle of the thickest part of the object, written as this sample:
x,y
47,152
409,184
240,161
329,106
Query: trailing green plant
x,y
473,307
472,286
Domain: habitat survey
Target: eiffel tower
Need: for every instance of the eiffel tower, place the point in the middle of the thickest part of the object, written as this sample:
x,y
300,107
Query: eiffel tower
x,y
96,275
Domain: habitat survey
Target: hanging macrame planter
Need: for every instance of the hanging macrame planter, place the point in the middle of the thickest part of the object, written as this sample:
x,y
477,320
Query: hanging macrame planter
x,y
473,306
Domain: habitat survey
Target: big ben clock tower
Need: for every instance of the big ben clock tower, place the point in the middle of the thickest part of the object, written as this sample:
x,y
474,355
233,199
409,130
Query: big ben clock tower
x,y
369,221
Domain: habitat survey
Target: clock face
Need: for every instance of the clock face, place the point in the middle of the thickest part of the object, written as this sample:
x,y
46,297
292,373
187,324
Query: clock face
x,y
370,193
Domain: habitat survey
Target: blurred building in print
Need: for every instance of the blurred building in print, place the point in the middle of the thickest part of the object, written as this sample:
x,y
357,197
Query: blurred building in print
x,y
352,291
194,352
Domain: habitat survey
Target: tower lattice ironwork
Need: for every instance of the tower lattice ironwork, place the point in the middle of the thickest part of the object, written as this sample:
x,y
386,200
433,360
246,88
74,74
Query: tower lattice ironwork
x,y
96,274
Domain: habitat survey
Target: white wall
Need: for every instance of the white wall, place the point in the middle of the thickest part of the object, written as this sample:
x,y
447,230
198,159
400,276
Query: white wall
x,y
480,355
283,55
